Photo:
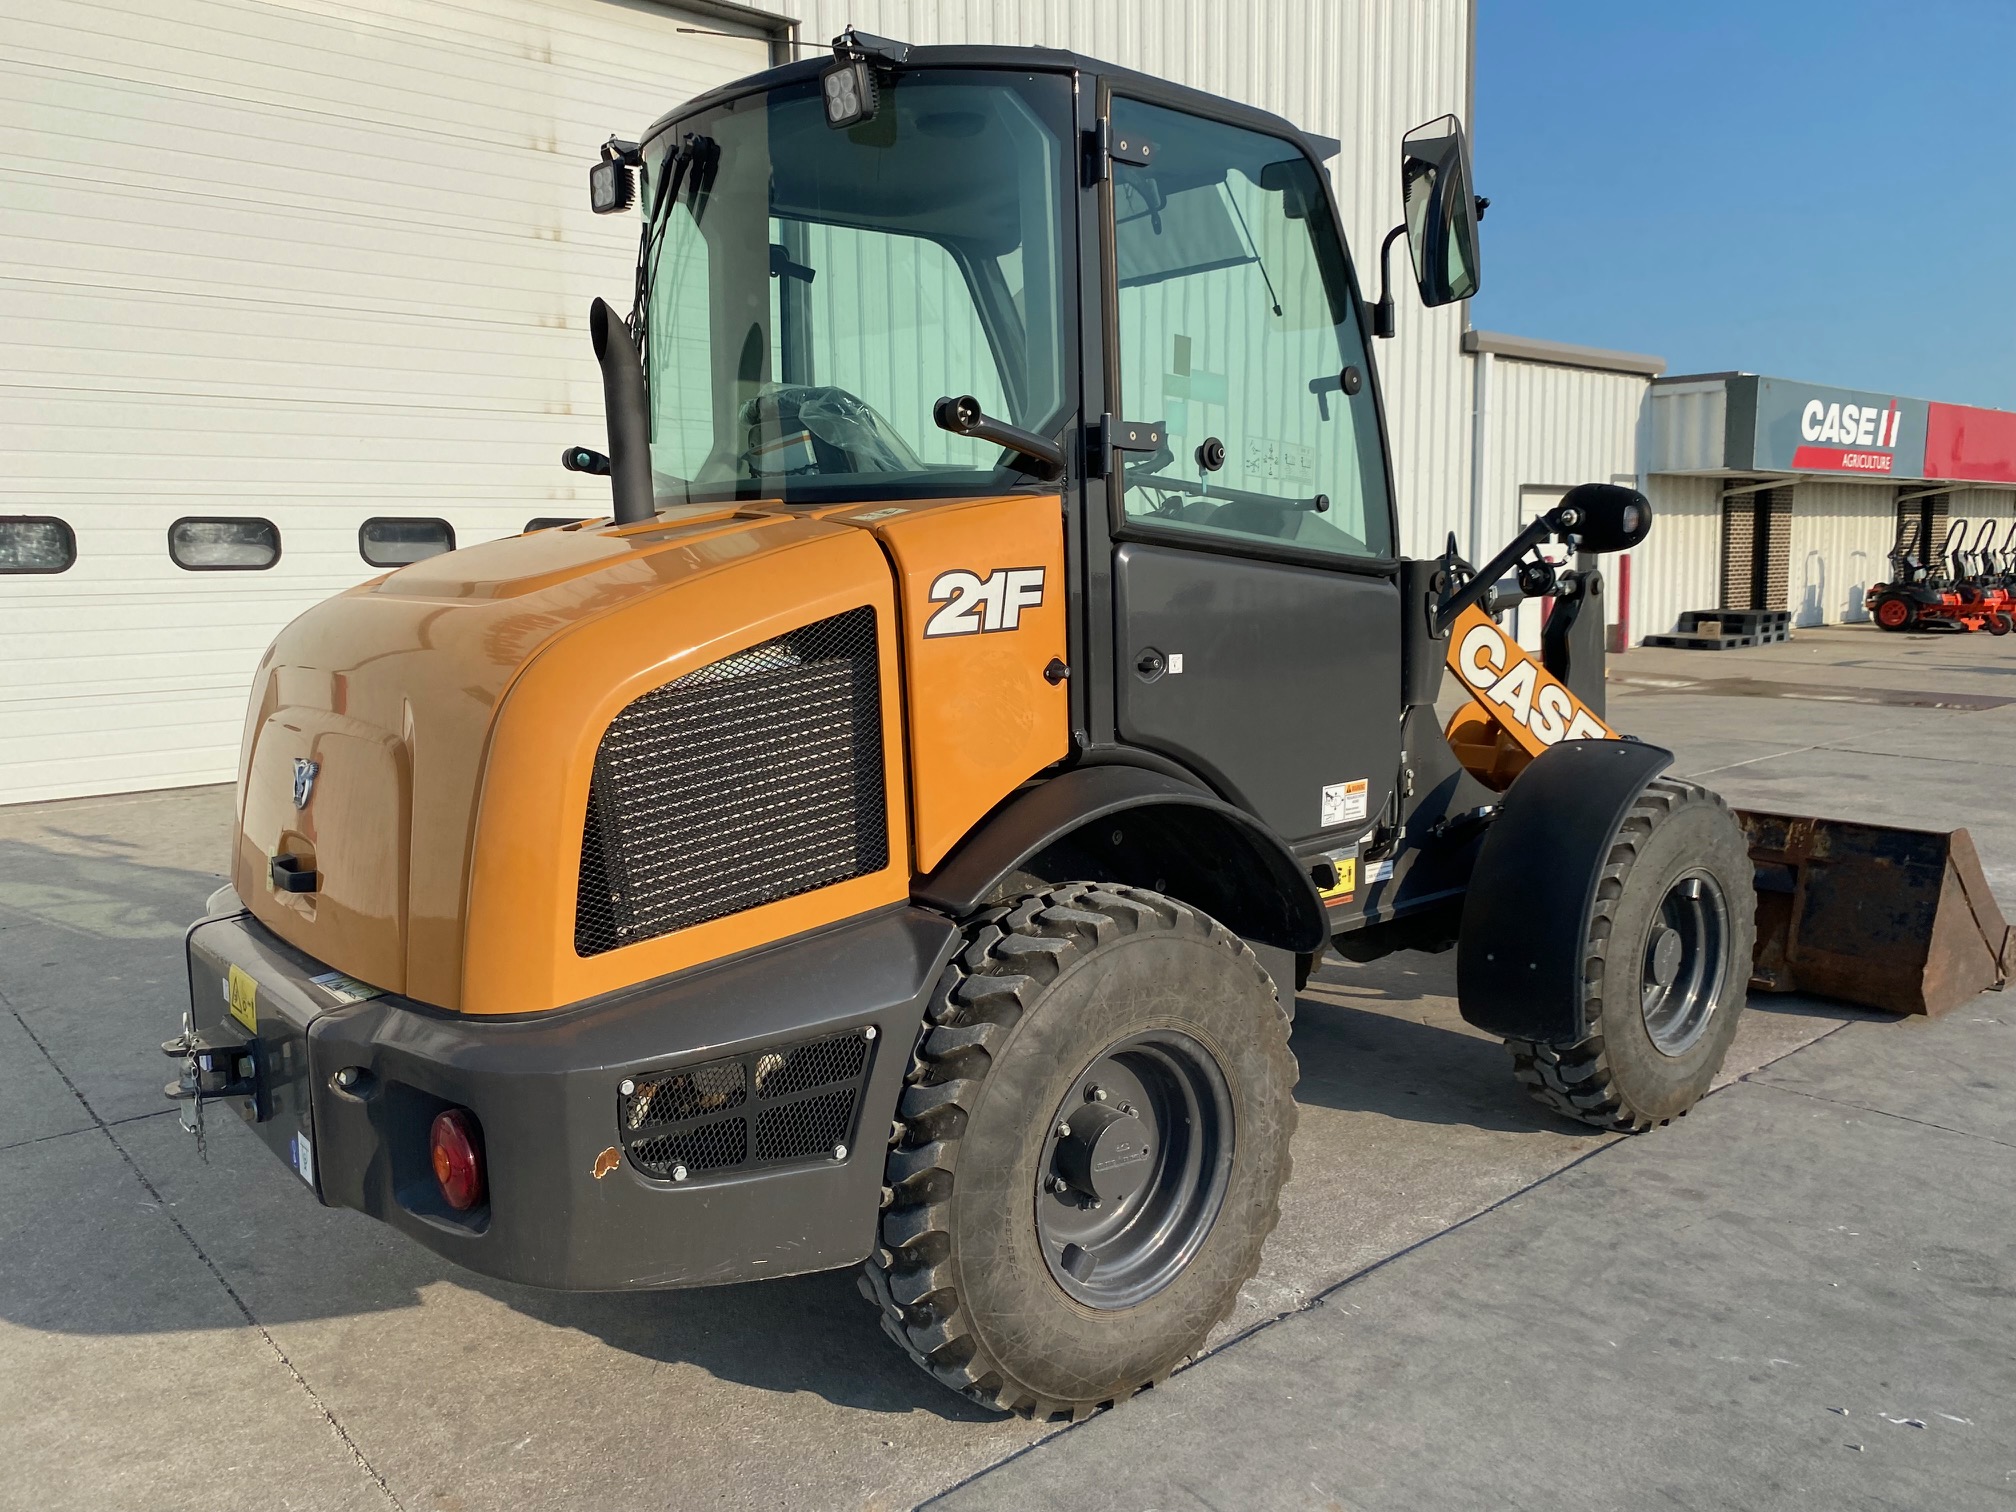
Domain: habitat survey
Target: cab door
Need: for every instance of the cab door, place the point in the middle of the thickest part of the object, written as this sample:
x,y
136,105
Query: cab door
x,y
1255,586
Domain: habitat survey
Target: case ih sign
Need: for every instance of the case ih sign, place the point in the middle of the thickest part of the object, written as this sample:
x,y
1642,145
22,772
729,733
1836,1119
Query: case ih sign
x,y
1777,426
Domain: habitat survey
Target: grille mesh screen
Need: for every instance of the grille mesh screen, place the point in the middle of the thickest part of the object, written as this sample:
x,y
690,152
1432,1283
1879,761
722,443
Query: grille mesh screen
x,y
699,1118
752,779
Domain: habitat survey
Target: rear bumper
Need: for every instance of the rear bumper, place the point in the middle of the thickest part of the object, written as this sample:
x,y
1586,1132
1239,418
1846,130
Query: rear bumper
x,y
546,1092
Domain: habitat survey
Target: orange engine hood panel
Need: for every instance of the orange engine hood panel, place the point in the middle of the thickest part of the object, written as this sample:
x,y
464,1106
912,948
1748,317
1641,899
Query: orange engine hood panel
x,y
453,709
983,603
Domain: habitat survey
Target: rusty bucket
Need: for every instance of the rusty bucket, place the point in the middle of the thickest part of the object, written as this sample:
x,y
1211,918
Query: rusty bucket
x,y
1890,918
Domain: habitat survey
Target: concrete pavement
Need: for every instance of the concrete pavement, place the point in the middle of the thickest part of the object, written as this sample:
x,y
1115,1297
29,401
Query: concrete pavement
x,y
176,1334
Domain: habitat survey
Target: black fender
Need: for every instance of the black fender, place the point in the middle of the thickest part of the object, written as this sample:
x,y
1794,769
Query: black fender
x,y
1175,837
1526,917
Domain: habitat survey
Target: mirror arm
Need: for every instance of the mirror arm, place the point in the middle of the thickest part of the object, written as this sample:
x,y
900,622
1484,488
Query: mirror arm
x,y
964,417
1383,324
1486,578
1560,522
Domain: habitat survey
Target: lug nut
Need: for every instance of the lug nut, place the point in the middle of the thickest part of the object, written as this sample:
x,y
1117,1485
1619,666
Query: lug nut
x,y
626,1086
1059,1185
1095,1094
1063,1131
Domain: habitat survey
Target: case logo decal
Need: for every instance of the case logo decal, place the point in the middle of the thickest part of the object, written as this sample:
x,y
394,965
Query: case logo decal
x,y
1533,706
975,605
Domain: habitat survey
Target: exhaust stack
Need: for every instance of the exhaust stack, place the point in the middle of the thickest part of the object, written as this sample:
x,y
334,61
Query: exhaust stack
x,y
635,499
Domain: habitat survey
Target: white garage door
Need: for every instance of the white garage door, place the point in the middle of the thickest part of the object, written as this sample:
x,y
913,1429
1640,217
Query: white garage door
x,y
306,262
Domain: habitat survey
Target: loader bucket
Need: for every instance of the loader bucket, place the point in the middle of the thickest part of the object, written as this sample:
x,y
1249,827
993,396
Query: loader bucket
x,y
1890,918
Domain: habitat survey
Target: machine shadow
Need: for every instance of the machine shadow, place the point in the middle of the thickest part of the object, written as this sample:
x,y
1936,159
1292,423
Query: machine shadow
x,y
798,1334
1385,1038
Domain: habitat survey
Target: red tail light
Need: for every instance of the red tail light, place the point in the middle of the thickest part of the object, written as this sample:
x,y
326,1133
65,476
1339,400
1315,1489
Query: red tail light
x,y
457,1146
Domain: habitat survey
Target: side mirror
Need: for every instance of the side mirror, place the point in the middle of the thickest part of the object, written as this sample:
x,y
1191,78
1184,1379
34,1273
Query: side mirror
x,y
1602,517
1441,210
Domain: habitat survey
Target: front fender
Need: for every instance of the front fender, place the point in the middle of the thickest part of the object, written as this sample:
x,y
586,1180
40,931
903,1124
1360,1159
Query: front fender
x,y
1526,916
1202,849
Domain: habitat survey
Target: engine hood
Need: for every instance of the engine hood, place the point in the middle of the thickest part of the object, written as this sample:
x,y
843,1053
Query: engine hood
x,y
451,710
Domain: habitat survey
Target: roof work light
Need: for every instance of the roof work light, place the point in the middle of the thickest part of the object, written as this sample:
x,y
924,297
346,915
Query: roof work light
x,y
849,87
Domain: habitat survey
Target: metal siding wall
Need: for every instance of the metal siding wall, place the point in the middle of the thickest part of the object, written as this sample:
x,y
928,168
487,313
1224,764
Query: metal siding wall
x,y
1680,565
1363,73
1976,504
1553,427
1841,538
312,261
1687,426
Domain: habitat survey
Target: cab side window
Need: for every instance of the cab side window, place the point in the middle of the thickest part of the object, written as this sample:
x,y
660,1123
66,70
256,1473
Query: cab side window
x,y
1238,332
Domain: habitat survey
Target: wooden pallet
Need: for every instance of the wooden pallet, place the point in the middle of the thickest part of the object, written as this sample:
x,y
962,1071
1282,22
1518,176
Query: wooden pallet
x,y
1727,629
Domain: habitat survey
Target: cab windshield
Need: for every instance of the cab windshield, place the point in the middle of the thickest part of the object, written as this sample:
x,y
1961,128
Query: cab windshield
x,y
810,293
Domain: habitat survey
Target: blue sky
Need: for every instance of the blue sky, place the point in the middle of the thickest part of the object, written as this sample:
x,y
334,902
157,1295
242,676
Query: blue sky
x,y
1816,191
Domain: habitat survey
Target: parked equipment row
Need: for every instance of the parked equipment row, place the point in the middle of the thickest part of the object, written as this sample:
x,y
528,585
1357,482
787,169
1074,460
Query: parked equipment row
x,y
1966,588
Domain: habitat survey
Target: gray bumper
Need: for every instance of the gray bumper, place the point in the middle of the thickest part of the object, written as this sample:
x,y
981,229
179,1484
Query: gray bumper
x,y
566,1207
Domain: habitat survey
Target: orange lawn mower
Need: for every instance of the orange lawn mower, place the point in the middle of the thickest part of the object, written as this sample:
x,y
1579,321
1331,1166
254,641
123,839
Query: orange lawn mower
x,y
1985,570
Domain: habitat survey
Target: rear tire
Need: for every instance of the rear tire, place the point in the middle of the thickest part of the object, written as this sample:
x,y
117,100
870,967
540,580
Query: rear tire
x,y
1896,612
971,1279
2000,624
1666,967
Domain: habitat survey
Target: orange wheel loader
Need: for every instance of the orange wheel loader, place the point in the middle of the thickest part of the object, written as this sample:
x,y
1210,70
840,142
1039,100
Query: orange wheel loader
x,y
895,837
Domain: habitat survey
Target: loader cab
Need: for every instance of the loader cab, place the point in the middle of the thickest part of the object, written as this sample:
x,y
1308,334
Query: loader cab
x,y
1149,285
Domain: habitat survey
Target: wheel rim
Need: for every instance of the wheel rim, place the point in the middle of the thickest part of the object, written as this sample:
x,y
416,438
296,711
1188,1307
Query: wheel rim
x,y
1893,612
1686,961
1129,1183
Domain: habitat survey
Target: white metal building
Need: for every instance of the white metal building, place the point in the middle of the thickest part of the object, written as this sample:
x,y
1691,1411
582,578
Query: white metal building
x,y
316,263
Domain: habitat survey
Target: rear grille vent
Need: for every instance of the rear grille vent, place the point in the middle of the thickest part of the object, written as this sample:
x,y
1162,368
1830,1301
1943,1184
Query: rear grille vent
x,y
755,778
697,1118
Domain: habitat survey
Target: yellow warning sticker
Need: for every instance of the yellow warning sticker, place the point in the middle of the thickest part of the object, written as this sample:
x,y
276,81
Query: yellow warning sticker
x,y
241,995
1347,877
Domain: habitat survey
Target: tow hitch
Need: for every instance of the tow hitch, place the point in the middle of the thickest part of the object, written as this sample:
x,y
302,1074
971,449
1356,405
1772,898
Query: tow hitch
x,y
210,1071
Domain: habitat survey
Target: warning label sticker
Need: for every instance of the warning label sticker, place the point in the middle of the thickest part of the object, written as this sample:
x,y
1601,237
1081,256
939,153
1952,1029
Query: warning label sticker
x,y
241,996
1345,801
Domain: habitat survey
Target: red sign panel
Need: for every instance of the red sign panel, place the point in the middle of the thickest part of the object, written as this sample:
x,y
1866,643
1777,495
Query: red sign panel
x,y
1834,459
1977,445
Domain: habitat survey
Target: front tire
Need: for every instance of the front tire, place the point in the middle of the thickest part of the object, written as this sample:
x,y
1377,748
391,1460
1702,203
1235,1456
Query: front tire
x,y
1896,612
1666,967
1013,1268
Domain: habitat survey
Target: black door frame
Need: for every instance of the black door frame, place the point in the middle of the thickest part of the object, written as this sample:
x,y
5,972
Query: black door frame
x,y
1099,530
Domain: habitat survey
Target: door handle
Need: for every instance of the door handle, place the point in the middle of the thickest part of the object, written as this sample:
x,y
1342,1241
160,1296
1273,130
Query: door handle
x,y
1150,664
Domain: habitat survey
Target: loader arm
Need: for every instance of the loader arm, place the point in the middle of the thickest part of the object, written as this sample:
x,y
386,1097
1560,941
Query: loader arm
x,y
1518,708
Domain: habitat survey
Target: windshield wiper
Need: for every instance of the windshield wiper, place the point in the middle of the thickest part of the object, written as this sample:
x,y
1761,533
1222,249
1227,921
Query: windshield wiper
x,y
701,156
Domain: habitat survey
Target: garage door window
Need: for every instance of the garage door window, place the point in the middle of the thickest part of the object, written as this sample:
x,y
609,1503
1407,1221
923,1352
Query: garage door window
x,y
36,543
386,542
218,544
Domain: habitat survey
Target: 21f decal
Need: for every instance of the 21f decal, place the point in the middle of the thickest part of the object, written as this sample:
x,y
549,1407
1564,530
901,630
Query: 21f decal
x,y
973,605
